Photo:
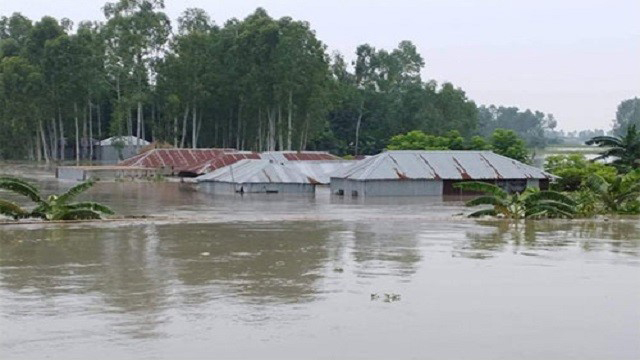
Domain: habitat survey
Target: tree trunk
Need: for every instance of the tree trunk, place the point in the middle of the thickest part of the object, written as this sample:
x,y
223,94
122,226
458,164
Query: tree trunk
x,y
90,132
139,125
358,123
75,115
98,110
184,126
239,126
259,129
215,134
271,140
175,131
289,120
153,123
62,139
85,141
44,143
143,133
280,142
54,139
194,131
38,147
199,126
229,139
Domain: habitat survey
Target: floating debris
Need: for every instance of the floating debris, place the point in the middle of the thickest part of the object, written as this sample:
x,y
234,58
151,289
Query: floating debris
x,y
391,297
206,253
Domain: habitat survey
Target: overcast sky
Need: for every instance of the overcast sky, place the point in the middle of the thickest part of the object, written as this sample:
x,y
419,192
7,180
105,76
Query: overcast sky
x,y
576,59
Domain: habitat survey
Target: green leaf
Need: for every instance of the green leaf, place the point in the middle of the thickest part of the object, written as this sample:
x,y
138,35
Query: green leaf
x,y
550,195
75,191
13,210
485,212
20,187
485,200
76,214
91,206
482,187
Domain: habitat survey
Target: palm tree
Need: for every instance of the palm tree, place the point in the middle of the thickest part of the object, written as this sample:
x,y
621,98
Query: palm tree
x,y
615,196
625,149
532,203
53,207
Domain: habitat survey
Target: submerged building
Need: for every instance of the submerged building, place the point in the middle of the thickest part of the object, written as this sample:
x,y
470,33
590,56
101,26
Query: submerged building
x,y
118,148
172,161
256,176
428,173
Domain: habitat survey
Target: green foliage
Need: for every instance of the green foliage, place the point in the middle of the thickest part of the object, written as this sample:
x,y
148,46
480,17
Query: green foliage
x,y
625,149
618,196
503,142
54,207
508,143
257,83
574,169
532,203
531,126
13,210
628,113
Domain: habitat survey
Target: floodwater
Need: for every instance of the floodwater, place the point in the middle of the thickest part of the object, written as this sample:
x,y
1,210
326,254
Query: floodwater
x,y
306,277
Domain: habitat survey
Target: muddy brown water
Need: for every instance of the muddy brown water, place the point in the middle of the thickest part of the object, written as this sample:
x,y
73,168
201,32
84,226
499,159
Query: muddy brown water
x,y
293,277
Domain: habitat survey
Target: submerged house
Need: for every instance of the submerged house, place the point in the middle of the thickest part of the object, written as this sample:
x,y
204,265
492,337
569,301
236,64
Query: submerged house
x,y
118,148
256,176
319,170
173,161
427,173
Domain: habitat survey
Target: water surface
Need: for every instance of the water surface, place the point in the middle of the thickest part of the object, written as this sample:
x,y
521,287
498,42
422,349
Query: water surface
x,y
293,277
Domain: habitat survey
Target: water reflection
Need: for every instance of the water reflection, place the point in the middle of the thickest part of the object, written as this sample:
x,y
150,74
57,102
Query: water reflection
x,y
385,248
494,237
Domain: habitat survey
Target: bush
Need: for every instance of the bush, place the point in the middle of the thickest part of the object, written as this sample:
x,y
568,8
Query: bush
x,y
574,169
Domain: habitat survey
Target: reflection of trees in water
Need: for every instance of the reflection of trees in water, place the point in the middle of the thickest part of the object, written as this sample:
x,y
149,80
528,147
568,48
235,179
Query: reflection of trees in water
x,y
261,263
615,236
384,247
134,279
48,261
118,265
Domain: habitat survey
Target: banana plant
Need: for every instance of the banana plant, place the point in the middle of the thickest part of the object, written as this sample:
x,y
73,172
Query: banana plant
x,y
616,194
532,203
53,207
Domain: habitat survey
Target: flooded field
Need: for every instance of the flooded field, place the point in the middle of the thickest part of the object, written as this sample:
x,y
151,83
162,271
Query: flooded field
x,y
315,277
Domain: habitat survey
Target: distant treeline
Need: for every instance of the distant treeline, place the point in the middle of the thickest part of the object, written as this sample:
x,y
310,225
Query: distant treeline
x,y
258,84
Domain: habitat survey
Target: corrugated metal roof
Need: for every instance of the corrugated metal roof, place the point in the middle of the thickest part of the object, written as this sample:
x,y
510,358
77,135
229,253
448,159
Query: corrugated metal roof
x,y
127,140
257,171
176,159
283,156
320,170
454,165
221,161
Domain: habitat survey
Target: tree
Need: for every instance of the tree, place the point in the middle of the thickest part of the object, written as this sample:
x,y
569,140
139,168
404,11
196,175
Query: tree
x,y
573,170
625,149
136,33
532,203
627,114
53,207
507,143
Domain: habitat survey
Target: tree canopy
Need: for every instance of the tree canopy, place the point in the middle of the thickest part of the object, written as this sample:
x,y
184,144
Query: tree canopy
x,y
258,83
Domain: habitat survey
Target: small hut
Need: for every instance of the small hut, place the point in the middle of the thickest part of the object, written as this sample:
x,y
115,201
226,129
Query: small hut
x,y
256,176
429,173
118,148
